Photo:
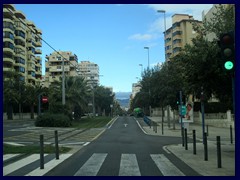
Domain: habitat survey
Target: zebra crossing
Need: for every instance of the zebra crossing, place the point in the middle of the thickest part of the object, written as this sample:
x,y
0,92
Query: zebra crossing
x,y
128,165
30,165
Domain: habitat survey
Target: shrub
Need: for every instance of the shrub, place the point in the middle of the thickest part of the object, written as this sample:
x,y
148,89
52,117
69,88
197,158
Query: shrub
x,y
53,120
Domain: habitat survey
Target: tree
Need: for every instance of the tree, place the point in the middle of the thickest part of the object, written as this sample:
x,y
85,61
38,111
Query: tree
x,y
32,93
11,94
103,99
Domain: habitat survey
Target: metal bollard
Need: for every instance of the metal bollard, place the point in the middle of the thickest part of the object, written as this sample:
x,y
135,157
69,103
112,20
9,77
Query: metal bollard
x,y
194,142
56,144
182,131
219,158
41,152
231,134
205,147
186,142
207,131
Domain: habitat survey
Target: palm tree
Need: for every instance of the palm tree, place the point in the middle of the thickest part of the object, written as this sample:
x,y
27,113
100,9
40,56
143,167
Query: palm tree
x,y
76,94
10,91
32,93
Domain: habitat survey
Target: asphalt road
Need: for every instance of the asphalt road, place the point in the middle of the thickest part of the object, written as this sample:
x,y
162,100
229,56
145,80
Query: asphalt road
x,y
124,150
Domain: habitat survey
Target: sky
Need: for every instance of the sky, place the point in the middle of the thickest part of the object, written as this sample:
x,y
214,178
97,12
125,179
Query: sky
x,y
110,35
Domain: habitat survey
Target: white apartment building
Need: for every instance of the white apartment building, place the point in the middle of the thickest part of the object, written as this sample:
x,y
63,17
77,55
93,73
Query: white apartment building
x,y
136,87
90,71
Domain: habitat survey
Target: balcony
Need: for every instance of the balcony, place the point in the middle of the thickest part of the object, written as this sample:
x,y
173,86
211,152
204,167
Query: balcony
x,y
20,14
30,77
8,50
38,51
38,44
8,60
8,69
8,39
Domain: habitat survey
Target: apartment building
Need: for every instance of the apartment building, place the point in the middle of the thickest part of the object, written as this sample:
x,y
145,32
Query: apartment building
x,y
180,34
54,68
90,71
136,87
208,15
21,46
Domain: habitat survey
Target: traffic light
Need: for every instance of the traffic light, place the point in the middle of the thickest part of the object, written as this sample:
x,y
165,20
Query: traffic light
x,y
227,45
178,99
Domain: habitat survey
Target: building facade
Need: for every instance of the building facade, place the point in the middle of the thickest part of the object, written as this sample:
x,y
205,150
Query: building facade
x,y
54,68
136,87
21,46
180,34
90,71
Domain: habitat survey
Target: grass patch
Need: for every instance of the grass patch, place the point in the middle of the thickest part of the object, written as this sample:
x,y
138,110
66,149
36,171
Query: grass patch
x,y
10,149
88,122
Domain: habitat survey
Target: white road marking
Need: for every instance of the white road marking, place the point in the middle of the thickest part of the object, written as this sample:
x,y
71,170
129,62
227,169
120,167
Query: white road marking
x,y
92,166
19,164
166,149
125,125
129,165
9,156
48,166
165,166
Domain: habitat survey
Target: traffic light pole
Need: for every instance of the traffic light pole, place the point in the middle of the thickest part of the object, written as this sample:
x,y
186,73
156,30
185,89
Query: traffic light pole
x,y
233,96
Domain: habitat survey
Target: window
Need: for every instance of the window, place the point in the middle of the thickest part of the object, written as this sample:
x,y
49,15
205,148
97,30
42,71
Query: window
x,y
59,58
8,25
177,41
19,60
7,44
20,33
21,69
177,33
177,49
177,24
8,35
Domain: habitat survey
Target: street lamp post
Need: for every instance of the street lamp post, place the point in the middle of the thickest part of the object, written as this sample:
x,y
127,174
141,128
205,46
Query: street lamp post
x,y
149,82
148,55
63,83
164,12
141,68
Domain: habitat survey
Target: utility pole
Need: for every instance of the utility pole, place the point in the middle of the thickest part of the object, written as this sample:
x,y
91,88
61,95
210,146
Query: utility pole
x,y
63,83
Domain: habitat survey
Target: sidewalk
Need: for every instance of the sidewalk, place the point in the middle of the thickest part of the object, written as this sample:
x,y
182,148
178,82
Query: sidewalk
x,y
196,161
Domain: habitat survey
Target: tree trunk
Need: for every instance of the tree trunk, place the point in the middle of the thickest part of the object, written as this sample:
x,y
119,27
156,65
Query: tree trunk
x,y
10,111
32,111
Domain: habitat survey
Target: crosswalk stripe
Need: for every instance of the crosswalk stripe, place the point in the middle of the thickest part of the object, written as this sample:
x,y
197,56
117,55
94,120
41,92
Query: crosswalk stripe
x,y
129,165
9,156
48,166
92,166
165,166
19,164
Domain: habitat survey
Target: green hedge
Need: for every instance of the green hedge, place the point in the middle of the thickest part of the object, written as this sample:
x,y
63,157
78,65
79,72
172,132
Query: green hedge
x,y
53,120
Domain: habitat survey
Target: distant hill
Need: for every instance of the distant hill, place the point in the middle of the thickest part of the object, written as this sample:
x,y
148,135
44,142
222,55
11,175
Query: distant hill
x,y
123,98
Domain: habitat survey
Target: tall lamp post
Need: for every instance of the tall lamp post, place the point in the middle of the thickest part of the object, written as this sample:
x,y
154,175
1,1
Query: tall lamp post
x,y
163,11
148,55
141,68
149,82
63,82
165,31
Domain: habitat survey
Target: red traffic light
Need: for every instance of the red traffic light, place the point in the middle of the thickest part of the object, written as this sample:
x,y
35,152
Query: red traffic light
x,y
227,39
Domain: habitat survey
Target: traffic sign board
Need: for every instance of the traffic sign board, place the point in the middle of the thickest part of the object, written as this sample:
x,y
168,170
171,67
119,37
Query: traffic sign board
x,y
183,110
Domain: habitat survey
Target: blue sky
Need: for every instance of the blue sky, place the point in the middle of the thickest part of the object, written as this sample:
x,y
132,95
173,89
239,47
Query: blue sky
x,y
111,35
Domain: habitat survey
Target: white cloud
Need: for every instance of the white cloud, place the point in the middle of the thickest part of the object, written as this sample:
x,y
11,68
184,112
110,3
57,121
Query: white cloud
x,y
142,37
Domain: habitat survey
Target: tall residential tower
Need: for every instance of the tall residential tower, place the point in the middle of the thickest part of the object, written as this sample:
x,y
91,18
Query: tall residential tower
x,y
21,46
